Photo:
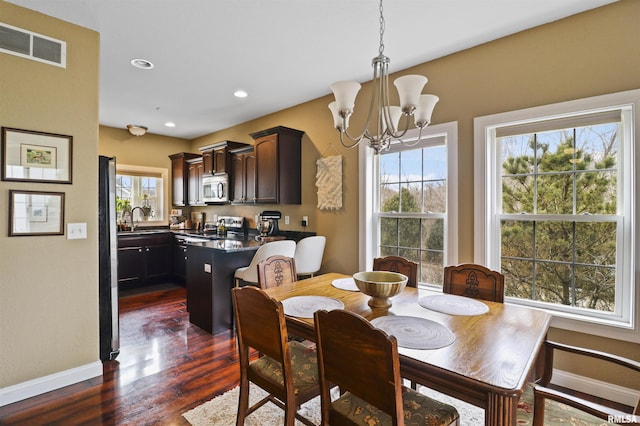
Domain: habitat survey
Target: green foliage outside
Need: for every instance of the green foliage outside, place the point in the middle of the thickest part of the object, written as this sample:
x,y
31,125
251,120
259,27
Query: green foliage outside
x,y
567,260
417,239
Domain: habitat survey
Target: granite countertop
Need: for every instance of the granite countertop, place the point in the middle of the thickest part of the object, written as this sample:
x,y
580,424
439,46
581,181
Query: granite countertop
x,y
226,245
229,243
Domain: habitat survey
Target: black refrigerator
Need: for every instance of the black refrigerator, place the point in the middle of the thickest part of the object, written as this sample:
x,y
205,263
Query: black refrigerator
x,y
108,259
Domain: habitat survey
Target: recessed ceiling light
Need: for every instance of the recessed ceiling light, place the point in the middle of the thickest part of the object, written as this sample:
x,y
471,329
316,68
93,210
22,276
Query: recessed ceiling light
x,y
142,64
240,94
170,124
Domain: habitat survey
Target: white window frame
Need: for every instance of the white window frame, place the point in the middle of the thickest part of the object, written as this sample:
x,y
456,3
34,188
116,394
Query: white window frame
x,y
123,169
625,324
368,188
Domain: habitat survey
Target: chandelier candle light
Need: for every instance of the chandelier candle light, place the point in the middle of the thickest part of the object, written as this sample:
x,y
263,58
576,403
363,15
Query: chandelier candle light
x,y
412,103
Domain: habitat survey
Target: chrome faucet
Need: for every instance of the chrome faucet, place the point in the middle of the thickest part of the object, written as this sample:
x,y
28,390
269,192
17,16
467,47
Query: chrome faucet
x,y
133,222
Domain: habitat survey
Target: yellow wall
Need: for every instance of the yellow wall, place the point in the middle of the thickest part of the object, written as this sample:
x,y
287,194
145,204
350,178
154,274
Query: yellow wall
x,y
340,227
49,285
149,150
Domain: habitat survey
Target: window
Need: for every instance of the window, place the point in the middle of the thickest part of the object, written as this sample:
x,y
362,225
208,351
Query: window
x,y
413,201
558,218
143,187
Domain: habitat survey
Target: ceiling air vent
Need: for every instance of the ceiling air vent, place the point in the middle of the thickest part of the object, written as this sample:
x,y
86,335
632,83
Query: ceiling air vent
x,y
30,45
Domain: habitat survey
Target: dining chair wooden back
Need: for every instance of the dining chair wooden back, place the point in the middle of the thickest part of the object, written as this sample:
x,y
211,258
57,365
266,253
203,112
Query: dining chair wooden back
x,y
287,370
249,274
542,392
275,271
398,264
344,341
474,281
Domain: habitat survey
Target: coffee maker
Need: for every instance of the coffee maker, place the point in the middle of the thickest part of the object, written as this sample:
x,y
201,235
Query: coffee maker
x,y
268,223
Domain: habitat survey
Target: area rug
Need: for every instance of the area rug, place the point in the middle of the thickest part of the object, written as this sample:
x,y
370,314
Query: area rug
x,y
221,411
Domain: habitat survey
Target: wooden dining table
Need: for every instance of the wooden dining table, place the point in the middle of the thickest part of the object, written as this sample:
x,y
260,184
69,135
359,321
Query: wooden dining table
x,y
488,364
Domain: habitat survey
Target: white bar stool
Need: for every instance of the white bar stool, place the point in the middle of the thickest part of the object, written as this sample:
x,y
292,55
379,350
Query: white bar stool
x,y
309,253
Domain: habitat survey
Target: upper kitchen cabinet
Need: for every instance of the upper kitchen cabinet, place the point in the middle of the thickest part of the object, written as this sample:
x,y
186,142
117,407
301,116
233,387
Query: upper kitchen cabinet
x,y
216,158
196,192
278,154
243,172
180,177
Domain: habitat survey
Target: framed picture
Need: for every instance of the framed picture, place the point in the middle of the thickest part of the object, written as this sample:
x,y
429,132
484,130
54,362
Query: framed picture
x,y
36,213
29,156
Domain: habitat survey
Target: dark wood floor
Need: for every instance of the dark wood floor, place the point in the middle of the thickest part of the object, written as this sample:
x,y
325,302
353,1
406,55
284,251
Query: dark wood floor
x,y
166,366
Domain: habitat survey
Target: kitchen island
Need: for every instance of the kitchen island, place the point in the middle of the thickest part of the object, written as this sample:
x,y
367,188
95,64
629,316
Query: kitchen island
x,y
211,265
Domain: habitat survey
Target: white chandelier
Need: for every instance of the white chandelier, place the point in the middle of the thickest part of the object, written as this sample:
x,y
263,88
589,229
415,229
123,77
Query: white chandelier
x,y
387,117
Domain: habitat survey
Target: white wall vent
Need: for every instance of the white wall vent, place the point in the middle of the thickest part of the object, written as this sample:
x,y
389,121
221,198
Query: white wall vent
x,y
30,45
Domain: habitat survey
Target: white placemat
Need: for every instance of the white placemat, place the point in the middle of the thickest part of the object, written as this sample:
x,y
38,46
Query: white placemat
x,y
345,284
415,333
453,305
305,306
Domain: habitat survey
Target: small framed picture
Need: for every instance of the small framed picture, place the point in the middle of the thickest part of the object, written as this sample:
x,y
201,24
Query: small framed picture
x,y
36,156
36,213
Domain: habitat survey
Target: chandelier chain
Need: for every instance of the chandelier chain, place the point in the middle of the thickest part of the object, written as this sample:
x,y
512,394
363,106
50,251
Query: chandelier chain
x,y
381,47
382,124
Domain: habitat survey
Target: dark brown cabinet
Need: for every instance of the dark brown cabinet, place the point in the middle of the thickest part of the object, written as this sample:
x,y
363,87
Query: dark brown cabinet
x,y
243,167
144,259
208,162
195,191
216,158
278,159
180,261
180,177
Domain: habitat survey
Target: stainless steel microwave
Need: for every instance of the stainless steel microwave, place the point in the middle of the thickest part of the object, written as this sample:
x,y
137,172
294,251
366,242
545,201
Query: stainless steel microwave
x,y
215,188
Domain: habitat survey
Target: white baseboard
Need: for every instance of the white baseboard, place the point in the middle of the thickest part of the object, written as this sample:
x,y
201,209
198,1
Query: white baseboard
x,y
41,385
595,387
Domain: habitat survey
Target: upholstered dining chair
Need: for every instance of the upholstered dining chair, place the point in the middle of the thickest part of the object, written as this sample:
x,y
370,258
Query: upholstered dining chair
x,y
249,274
398,264
275,271
474,281
371,392
287,370
309,253
542,391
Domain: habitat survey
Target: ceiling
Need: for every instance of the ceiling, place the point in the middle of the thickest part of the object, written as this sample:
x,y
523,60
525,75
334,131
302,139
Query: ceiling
x,y
282,52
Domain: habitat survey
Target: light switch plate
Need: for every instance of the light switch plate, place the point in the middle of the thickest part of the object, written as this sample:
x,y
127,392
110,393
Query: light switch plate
x,y
207,268
76,231
286,220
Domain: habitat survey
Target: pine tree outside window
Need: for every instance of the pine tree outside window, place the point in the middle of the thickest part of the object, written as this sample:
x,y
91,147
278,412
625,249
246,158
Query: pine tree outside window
x,y
555,207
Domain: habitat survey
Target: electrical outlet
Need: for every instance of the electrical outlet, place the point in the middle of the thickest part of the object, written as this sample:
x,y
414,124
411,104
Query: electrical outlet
x,y
286,220
207,268
76,231
305,221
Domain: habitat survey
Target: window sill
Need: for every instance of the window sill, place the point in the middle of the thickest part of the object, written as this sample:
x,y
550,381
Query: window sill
x,y
608,328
